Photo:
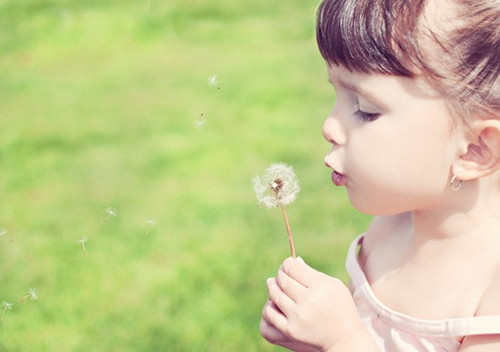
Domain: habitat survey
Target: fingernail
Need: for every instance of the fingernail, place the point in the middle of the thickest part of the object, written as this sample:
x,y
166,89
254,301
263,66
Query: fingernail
x,y
301,260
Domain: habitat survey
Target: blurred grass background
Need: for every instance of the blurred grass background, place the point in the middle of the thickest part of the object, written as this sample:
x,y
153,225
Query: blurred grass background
x,y
108,104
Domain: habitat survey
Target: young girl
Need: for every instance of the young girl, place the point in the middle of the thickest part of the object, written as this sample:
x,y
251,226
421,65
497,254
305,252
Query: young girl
x,y
415,140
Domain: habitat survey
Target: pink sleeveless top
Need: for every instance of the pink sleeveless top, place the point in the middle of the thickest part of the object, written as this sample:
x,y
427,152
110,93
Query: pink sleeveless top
x,y
396,332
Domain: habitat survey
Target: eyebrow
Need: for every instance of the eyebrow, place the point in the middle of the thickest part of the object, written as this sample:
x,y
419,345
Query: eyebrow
x,y
370,97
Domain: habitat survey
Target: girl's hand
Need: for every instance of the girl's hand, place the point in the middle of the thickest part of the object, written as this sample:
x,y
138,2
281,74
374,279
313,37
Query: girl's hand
x,y
274,336
308,309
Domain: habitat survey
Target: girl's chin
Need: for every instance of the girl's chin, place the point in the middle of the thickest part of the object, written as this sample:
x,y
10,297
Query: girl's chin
x,y
370,207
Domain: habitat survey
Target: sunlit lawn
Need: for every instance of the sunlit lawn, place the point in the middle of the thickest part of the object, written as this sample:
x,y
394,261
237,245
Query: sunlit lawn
x,y
112,132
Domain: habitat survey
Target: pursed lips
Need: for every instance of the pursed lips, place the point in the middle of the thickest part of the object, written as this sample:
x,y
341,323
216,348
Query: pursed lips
x,y
338,178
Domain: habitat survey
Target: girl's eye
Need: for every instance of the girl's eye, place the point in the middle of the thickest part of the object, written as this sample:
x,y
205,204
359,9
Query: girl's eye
x,y
366,116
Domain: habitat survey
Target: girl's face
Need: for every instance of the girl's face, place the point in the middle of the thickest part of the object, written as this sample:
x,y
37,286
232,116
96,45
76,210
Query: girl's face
x,y
393,142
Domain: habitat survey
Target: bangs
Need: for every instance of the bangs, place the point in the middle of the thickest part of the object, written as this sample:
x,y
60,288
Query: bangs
x,y
369,36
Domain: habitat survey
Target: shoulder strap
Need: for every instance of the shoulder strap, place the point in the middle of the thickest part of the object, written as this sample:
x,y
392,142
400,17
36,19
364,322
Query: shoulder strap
x,y
480,325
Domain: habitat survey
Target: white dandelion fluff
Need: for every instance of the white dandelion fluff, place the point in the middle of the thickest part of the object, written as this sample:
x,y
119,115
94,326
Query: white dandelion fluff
x,y
6,306
32,294
111,213
278,187
213,81
3,232
150,223
201,121
83,239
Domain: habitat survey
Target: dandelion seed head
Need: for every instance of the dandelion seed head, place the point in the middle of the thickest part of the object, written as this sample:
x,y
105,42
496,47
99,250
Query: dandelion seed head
x,y
277,187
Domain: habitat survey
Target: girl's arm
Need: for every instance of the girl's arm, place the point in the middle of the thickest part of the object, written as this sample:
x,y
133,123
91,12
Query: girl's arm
x,y
309,308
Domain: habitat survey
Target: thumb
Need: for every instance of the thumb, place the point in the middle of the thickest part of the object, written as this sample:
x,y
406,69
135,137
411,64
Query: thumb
x,y
299,258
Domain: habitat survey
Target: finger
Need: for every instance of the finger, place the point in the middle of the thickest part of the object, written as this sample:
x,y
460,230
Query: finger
x,y
270,333
292,288
300,271
274,306
278,297
273,316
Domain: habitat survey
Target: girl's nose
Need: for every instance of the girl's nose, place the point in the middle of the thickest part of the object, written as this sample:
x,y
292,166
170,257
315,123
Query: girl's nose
x,y
333,131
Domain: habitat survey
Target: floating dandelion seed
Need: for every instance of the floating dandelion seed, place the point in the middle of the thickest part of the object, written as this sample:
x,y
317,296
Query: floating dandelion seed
x,y
213,81
6,306
3,232
278,187
82,243
32,294
111,213
150,223
201,121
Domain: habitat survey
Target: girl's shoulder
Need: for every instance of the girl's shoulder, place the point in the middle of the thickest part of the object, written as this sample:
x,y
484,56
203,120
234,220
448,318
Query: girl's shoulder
x,y
489,303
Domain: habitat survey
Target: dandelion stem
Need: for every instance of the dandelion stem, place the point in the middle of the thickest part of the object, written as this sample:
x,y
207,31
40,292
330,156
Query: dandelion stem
x,y
83,248
82,243
288,231
106,218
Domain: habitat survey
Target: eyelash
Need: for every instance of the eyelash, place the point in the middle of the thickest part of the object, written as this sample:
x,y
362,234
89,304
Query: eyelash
x,y
366,116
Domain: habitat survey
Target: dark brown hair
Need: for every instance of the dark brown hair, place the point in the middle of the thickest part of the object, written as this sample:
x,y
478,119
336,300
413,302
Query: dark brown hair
x,y
460,58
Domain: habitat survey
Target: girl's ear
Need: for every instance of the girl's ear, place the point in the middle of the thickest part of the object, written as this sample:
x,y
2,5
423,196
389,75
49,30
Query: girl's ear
x,y
482,157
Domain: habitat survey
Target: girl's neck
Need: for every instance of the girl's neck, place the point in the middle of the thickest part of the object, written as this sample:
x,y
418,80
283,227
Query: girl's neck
x,y
473,210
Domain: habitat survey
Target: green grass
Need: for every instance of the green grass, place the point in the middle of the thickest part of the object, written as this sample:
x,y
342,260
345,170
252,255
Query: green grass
x,y
99,102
